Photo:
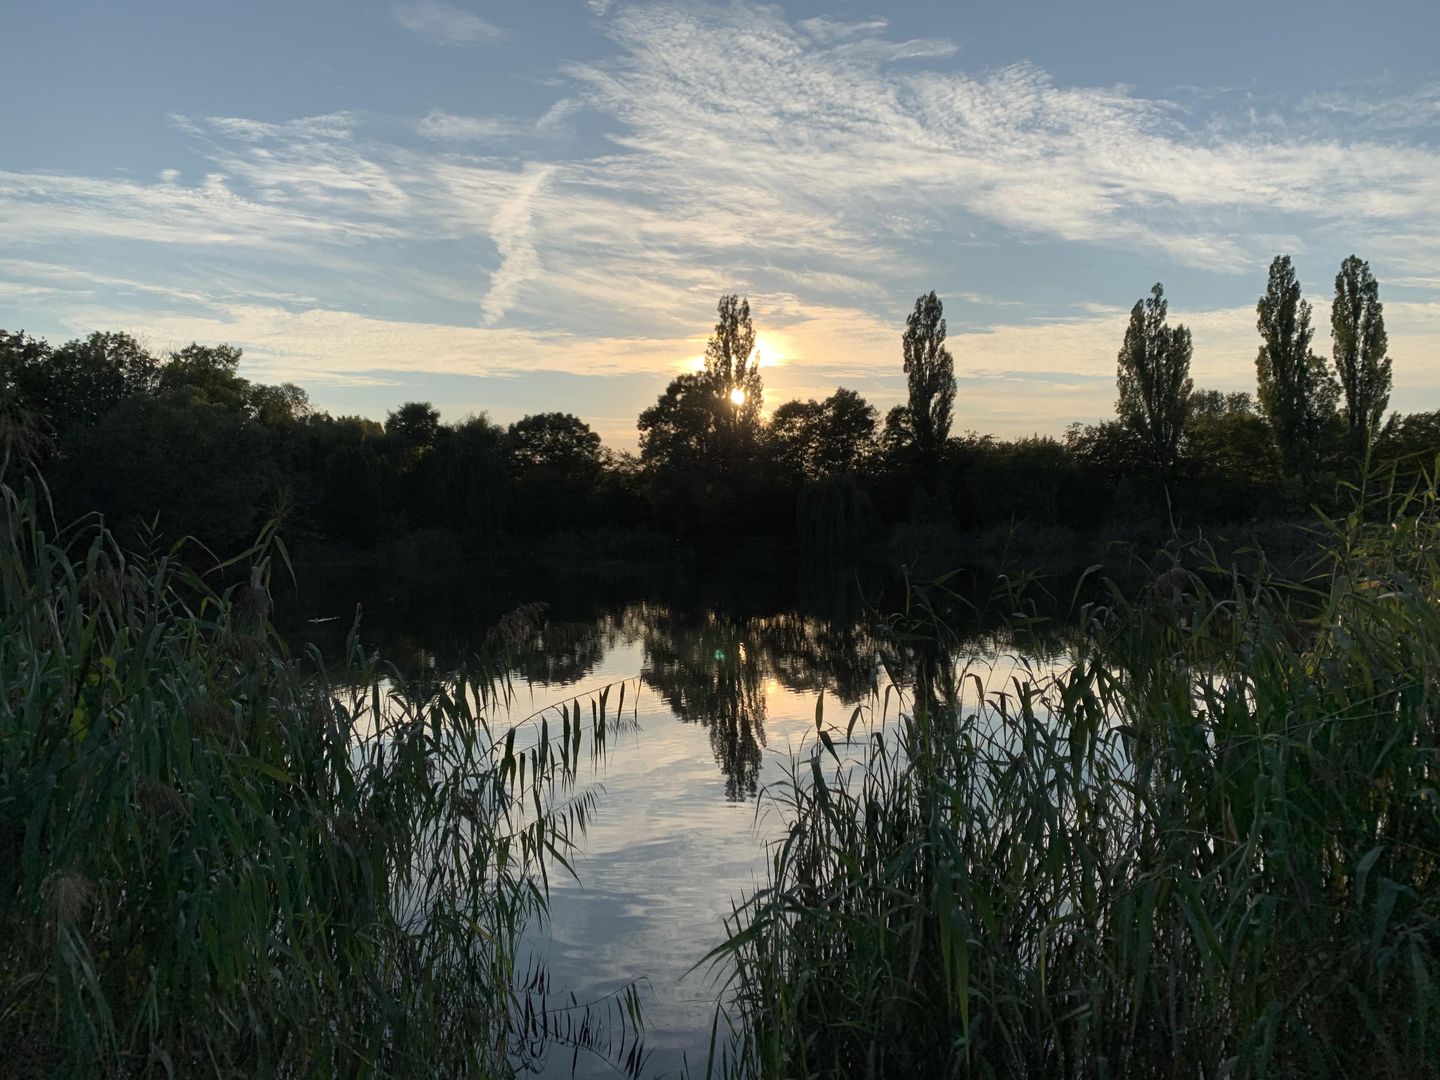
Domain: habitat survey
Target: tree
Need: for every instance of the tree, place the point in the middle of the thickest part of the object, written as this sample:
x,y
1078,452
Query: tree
x,y
815,439
554,462
1231,465
555,442
279,406
679,430
846,435
791,434
203,469
22,426
1357,326
211,372
896,444
413,428
931,372
1296,393
731,361
473,483
81,381
1154,380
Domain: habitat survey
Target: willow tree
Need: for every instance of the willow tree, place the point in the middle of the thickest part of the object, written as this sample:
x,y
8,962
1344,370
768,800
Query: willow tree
x,y
1357,326
931,375
1296,392
1154,381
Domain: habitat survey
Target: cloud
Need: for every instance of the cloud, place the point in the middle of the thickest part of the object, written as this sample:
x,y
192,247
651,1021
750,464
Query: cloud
x,y
449,127
818,124
512,231
446,24
826,168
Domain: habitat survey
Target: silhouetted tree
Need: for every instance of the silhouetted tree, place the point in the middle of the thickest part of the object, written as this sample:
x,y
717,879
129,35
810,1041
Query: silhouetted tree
x,y
791,434
1357,326
1154,381
732,364
815,439
677,432
201,467
414,426
1409,447
279,406
699,442
470,477
559,442
78,383
846,437
931,376
1232,466
209,372
897,438
349,498
554,461
1296,393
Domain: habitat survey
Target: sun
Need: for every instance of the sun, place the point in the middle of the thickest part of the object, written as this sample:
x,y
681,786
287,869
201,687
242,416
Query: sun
x,y
768,350
737,396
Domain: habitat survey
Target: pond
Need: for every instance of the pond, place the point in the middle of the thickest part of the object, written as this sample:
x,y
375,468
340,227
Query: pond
x,y
722,693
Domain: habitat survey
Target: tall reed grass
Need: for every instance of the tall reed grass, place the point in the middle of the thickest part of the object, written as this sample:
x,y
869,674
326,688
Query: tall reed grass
x,y
217,858
1208,848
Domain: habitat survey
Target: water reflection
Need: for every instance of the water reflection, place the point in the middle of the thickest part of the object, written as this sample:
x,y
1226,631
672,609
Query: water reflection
x,y
713,669
725,693
711,673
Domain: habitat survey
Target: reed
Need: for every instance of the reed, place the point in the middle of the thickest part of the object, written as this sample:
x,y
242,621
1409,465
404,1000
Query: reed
x,y
218,858
1207,847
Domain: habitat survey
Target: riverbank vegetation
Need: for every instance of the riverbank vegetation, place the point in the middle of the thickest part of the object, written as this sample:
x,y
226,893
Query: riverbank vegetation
x,y
1209,848
221,858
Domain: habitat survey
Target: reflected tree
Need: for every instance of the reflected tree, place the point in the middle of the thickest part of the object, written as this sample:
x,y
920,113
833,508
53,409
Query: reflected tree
x,y
563,653
707,675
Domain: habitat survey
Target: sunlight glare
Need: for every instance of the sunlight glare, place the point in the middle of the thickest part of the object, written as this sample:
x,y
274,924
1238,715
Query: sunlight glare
x,y
737,396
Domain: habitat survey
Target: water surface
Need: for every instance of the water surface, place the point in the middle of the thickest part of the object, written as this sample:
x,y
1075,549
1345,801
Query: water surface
x,y
722,697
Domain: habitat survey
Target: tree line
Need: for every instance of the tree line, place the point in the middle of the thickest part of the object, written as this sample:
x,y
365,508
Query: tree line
x,y
183,445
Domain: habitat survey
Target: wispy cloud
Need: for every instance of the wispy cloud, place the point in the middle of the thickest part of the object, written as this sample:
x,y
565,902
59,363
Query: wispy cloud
x,y
825,167
451,128
513,233
446,24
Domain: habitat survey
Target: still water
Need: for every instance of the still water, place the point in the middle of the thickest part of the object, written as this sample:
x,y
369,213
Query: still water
x,y
721,695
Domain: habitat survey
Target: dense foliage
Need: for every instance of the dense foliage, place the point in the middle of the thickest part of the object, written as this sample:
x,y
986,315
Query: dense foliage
x,y
186,445
1210,847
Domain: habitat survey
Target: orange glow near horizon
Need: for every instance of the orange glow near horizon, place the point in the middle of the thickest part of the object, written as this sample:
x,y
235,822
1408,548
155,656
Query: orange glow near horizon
x,y
769,352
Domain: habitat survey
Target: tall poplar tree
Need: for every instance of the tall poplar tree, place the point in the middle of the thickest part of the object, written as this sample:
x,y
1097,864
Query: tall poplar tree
x,y
1357,327
931,373
1154,381
1296,393
732,364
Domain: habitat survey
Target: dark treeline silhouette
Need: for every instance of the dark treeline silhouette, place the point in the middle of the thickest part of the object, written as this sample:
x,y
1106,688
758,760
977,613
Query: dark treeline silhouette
x,y
185,445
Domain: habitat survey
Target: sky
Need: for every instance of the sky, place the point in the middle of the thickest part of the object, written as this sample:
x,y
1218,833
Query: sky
x,y
513,208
